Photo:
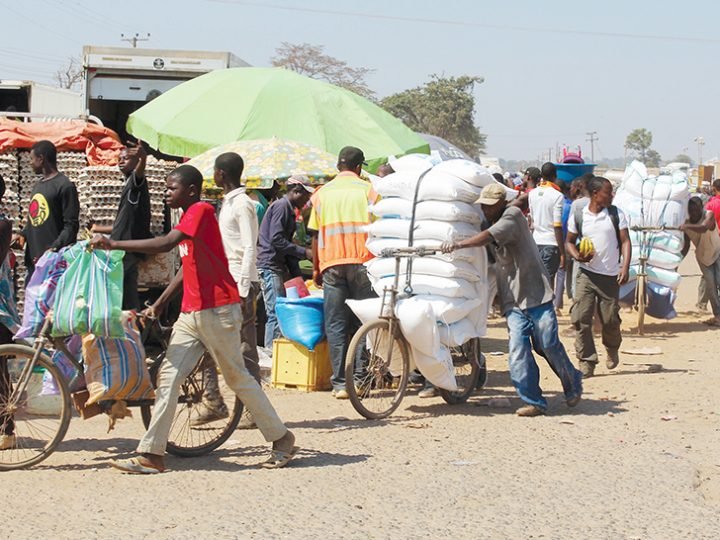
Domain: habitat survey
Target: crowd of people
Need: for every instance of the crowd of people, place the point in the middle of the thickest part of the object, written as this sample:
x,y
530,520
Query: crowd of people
x,y
248,251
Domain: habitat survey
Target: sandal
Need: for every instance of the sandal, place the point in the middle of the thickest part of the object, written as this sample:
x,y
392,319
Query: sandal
x,y
279,458
133,466
712,321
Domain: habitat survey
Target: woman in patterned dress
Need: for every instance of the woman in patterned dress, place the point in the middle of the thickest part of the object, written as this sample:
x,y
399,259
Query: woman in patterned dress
x,y
9,322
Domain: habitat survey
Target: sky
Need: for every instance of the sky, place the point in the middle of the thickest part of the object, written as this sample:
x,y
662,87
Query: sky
x,y
553,70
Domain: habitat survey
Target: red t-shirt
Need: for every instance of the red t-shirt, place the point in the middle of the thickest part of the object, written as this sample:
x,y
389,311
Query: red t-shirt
x,y
207,282
713,205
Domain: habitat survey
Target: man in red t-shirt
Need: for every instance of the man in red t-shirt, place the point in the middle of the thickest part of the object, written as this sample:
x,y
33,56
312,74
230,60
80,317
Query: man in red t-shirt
x,y
713,205
210,318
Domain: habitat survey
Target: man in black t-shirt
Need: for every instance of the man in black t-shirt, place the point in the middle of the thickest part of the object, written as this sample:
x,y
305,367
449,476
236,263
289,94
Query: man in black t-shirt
x,y
53,214
133,218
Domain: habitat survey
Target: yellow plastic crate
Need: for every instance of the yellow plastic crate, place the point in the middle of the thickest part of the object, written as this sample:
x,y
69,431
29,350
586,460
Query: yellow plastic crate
x,y
296,367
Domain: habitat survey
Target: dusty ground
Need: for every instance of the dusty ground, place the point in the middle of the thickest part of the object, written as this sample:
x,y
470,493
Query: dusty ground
x,y
638,458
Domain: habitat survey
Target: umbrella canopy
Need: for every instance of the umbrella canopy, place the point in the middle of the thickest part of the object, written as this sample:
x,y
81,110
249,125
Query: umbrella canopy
x,y
271,159
258,103
443,149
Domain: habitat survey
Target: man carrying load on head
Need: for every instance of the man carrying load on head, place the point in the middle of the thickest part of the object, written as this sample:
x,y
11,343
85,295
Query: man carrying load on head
x,y
339,217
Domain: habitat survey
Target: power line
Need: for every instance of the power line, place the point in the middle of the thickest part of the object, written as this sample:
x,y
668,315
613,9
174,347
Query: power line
x,y
37,24
446,22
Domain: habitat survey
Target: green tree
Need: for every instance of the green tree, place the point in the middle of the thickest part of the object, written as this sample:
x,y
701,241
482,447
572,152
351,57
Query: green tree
x,y
639,142
311,61
683,158
444,107
652,158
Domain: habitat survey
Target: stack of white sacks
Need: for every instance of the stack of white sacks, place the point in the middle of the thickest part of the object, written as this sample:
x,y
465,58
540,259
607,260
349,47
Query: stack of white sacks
x,y
654,201
449,302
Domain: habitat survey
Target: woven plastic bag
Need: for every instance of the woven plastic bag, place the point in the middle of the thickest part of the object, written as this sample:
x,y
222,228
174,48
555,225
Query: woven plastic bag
x,y
115,368
89,294
40,292
301,320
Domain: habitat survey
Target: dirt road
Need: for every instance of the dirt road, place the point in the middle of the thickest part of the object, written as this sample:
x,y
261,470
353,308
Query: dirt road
x,y
638,458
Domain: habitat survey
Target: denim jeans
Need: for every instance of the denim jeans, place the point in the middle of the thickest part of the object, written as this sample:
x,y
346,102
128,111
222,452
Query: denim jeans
x,y
273,286
537,328
550,256
340,283
711,276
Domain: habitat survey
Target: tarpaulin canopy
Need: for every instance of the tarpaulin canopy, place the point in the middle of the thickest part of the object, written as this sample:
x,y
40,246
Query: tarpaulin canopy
x,y
100,144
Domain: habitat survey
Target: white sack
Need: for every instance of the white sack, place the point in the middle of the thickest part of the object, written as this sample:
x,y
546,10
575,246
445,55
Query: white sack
x,y
376,245
421,285
457,334
438,186
438,369
413,163
469,171
397,208
384,267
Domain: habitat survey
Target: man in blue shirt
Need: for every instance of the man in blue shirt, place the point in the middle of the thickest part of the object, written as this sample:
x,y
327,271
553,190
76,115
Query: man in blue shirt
x,y
278,257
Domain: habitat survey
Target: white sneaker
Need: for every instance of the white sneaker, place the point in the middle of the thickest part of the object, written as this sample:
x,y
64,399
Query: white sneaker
x,y
7,442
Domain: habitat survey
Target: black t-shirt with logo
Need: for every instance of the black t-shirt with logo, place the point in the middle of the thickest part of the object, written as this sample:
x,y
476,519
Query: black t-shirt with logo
x,y
53,217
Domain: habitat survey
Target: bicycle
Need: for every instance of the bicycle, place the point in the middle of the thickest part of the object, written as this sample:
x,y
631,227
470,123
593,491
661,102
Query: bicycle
x,y
377,363
640,302
41,419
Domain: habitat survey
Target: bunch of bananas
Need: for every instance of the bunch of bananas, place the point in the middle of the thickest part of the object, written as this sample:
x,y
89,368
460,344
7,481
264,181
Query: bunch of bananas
x,y
586,247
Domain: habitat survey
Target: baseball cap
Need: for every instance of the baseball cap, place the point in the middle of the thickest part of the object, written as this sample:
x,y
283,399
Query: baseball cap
x,y
533,172
492,194
351,157
300,180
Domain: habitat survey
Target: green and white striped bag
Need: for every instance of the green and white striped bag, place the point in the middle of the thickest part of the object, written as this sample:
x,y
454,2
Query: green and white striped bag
x,y
88,298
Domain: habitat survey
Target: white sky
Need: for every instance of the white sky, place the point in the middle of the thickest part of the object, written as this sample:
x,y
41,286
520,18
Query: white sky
x,y
553,70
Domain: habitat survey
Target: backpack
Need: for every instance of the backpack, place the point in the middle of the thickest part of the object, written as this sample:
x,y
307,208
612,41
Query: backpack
x,y
614,217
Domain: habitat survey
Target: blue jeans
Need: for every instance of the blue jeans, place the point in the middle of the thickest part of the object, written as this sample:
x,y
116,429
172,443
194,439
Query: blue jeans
x,y
550,256
340,283
273,286
537,328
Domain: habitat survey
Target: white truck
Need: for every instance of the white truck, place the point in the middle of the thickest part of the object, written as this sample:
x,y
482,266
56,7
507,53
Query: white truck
x,y
120,80
29,99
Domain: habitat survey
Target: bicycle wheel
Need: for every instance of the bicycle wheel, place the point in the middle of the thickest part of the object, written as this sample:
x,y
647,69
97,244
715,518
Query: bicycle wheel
x,y
383,366
192,433
37,416
467,371
641,300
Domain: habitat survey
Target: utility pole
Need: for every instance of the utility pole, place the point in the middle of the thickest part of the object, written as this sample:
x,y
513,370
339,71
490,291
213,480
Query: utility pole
x,y
134,39
592,138
700,142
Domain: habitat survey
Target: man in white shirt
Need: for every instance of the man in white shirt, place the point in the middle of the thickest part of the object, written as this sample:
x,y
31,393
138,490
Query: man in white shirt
x,y
546,204
600,274
238,222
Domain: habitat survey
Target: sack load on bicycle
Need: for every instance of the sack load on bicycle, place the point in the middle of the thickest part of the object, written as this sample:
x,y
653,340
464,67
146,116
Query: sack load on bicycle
x,y
432,307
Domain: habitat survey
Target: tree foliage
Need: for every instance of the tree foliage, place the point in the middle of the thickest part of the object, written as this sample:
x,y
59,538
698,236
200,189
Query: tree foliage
x,y
444,107
639,142
311,61
71,75
683,158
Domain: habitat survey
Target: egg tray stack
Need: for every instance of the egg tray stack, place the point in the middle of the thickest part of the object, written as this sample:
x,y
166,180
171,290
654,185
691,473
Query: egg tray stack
x,y
9,169
26,182
156,172
72,164
99,190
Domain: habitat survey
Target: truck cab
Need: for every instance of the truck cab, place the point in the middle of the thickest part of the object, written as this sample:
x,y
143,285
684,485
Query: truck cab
x,y
120,80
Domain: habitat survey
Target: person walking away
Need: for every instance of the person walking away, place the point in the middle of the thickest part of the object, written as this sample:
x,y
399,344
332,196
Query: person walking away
x,y
546,204
210,316
9,322
133,218
278,257
339,218
526,300
600,274
564,272
53,214
702,230
239,231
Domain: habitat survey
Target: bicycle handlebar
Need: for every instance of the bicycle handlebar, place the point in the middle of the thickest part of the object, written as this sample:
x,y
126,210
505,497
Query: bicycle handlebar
x,y
654,229
410,251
